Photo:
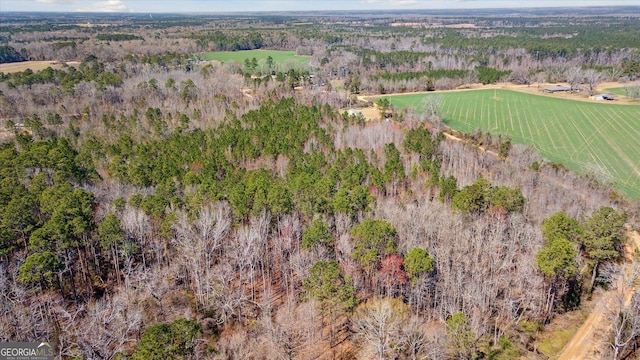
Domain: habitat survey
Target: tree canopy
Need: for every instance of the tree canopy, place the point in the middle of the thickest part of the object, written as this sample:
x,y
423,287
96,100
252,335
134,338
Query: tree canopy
x,y
373,240
316,234
417,261
561,225
557,259
168,341
327,285
604,234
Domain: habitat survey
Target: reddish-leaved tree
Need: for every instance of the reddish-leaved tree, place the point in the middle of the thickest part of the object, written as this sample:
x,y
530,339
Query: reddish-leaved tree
x,y
392,278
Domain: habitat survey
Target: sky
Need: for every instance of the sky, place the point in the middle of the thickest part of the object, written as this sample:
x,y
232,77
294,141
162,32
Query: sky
x,y
212,6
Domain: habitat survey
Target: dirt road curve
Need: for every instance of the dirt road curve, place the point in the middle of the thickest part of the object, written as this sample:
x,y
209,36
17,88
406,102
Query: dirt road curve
x,y
590,339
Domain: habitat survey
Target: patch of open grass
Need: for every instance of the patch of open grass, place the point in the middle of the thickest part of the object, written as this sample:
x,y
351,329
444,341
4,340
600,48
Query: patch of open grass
x,y
279,57
552,345
560,332
617,91
35,66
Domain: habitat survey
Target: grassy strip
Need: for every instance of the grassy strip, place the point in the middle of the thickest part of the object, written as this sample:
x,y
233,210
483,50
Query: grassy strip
x,y
617,91
564,328
278,57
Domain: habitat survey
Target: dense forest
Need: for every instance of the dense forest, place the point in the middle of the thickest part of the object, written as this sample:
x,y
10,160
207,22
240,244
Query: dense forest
x,y
9,55
153,206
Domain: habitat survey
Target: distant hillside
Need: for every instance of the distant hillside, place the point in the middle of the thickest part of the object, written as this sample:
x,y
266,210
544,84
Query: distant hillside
x,y
9,55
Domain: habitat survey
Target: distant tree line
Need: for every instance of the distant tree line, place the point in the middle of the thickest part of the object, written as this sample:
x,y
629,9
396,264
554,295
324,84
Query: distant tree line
x,y
118,37
89,70
9,55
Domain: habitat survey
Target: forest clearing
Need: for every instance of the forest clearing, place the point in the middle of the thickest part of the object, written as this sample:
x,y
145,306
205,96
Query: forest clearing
x,y
33,65
587,137
278,56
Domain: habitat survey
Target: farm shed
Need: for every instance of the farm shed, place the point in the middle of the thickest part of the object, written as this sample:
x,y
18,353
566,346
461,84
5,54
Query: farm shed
x,y
557,88
601,97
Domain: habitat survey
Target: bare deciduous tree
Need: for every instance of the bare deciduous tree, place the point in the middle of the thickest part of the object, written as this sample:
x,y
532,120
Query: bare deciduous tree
x,y
287,331
379,323
633,91
574,76
432,105
414,339
198,243
624,312
592,79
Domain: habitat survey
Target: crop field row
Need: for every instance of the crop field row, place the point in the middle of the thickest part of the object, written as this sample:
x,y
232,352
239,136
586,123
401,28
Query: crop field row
x,y
597,138
278,56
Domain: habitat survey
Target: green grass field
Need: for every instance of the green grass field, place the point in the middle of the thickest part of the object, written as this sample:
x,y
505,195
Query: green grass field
x,y
597,138
618,91
279,57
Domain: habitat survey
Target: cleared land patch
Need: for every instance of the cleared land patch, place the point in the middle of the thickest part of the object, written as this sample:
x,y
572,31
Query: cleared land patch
x,y
617,91
596,138
24,65
279,57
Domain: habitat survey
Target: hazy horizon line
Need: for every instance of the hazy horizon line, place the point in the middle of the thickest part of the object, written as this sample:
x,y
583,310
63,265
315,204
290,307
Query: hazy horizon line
x,y
528,7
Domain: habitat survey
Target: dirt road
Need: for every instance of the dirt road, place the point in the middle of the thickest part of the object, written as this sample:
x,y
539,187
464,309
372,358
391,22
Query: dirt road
x,y
590,340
